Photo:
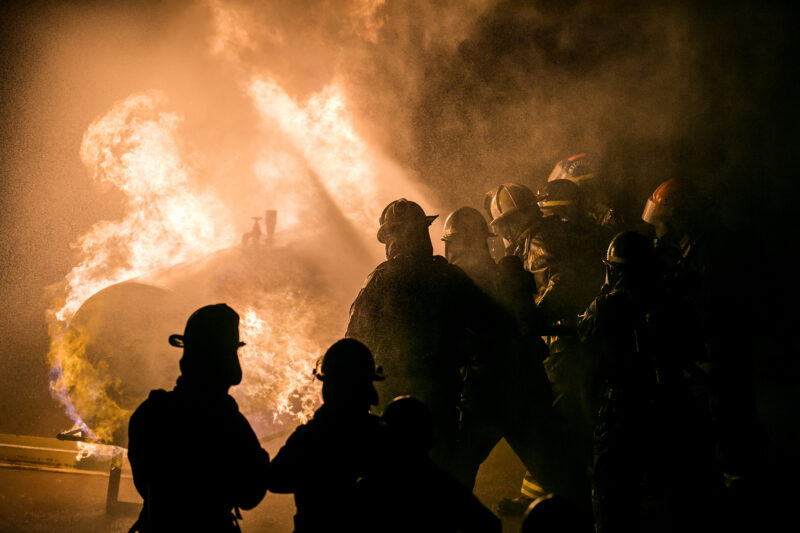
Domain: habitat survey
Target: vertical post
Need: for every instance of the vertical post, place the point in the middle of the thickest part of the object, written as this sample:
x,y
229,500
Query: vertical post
x,y
114,476
270,219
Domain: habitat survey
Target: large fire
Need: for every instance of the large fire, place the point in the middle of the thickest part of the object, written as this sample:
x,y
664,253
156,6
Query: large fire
x,y
171,221
182,237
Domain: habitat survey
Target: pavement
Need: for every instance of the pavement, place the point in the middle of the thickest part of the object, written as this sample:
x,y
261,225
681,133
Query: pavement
x,y
58,494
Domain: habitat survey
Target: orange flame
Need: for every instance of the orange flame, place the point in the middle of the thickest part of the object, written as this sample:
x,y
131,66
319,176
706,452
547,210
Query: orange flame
x,y
168,221
321,137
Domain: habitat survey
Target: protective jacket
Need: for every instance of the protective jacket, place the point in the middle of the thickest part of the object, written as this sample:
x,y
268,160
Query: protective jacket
x,y
195,459
650,442
423,319
320,464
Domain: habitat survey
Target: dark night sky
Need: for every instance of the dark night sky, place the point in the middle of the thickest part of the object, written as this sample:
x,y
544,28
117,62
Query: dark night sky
x,y
465,97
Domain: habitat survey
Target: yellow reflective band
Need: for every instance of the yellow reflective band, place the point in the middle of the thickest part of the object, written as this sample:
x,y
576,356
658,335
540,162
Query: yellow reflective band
x,y
584,177
532,492
531,485
615,259
554,203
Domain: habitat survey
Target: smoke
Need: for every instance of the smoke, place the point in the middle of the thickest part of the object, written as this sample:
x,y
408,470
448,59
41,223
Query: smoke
x,y
441,100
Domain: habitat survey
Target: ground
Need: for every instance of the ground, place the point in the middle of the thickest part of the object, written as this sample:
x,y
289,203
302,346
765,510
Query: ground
x,y
42,501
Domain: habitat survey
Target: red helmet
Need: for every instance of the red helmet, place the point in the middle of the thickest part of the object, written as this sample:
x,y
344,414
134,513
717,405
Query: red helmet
x,y
578,169
672,198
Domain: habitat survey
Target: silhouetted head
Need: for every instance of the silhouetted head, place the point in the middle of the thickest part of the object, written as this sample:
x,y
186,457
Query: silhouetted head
x,y
210,342
513,209
554,514
347,372
404,229
410,424
465,234
631,260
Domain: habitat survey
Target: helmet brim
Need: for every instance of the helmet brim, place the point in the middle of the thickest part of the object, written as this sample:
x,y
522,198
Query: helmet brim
x,y
387,227
179,341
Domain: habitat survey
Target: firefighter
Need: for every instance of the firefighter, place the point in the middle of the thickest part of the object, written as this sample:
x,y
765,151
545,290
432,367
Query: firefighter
x,y
323,458
604,200
409,492
465,245
506,393
184,487
651,466
704,270
549,249
422,318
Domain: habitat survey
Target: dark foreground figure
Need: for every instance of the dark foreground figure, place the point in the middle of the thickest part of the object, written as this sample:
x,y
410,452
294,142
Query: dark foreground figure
x,y
653,456
409,492
555,514
506,393
323,458
195,459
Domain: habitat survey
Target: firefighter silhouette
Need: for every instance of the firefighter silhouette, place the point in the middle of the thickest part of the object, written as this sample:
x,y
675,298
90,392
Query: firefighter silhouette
x,y
185,488
324,457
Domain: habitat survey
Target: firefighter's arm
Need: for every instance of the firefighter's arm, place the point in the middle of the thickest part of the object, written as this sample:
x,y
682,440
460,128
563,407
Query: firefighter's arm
x,y
289,464
252,467
364,309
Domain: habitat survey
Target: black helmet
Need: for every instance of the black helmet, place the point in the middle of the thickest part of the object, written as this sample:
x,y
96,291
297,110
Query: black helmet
x,y
348,361
632,257
210,340
466,223
401,212
559,197
410,422
578,169
507,201
630,249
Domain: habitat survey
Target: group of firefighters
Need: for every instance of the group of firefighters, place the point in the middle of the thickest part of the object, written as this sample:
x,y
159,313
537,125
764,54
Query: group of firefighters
x,y
615,365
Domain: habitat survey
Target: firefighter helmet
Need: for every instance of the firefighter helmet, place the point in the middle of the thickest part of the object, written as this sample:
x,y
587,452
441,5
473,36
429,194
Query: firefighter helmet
x,y
509,200
672,199
466,223
348,361
399,213
559,197
579,169
630,250
410,421
210,340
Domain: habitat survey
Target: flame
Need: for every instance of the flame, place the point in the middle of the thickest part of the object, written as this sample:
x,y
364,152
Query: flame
x,y
312,161
168,221
278,360
322,138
